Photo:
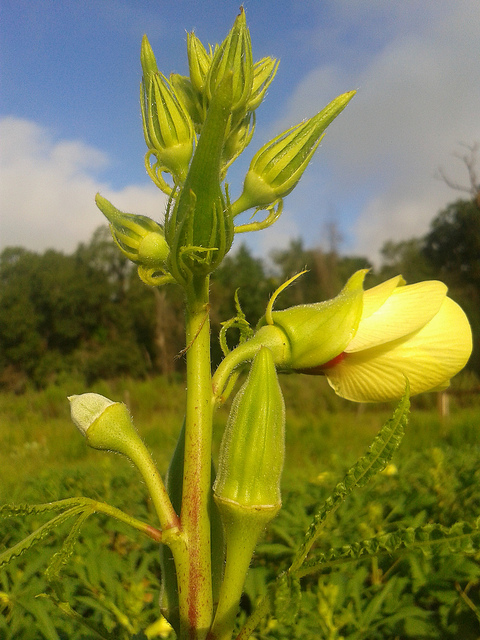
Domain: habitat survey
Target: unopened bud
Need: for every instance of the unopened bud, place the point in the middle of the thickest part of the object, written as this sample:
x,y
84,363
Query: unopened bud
x,y
106,425
263,73
167,127
190,99
199,62
278,166
238,140
139,238
233,57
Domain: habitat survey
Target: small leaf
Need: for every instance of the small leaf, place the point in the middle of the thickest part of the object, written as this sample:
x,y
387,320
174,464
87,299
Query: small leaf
x,y
38,535
12,510
61,557
286,598
462,537
98,632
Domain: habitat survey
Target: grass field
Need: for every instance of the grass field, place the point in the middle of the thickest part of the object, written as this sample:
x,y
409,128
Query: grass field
x,y
112,578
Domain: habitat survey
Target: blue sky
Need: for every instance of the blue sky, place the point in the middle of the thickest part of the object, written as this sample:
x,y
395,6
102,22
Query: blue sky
x,y
70,120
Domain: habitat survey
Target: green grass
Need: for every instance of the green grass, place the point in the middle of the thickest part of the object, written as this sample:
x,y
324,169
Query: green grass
x,y
436,479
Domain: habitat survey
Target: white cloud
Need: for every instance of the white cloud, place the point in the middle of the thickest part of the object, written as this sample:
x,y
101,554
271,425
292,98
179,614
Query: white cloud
x,y
47,189
418,98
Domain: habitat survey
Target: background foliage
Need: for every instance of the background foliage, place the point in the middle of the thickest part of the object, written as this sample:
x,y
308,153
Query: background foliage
x,y
72,323
88,315
113,578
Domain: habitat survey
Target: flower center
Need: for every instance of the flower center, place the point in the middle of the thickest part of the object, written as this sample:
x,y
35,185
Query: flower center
x,y
320,369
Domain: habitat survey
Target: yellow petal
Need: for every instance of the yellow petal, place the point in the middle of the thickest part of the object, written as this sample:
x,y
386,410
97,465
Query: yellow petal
x,y
406,310
376,296
428,358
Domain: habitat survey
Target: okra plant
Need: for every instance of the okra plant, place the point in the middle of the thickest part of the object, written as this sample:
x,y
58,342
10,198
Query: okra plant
x,y
372,345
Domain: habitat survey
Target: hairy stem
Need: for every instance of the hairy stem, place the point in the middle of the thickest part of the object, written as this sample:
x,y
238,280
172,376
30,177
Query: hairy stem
x,y
194,574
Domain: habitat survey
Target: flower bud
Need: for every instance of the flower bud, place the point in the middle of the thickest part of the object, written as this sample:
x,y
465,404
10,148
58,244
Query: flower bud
x,y
139,238
238,139
263,73
316,333
233,57
190,99
167,127
199,62
106,425
147,60
252,449
278,166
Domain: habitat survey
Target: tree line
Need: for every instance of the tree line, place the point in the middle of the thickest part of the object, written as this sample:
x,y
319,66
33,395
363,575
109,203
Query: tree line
x,y
88,315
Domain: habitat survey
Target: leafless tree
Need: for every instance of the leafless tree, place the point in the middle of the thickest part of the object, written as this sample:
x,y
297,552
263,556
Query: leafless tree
x,y
470,159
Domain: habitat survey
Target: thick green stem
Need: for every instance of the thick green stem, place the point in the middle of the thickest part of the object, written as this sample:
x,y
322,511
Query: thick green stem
x,y
243,527
194,570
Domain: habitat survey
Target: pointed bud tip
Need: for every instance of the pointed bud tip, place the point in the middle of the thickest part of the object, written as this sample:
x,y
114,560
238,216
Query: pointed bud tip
x,y
241,18
147,58
86,408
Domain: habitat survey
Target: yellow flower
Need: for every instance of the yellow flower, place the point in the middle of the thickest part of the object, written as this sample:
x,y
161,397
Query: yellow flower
x,y
413,332
366,343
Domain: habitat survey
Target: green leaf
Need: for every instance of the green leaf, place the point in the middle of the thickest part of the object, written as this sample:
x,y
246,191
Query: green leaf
x,y
98,632
61,557
462,537
38,535
286,598
13,510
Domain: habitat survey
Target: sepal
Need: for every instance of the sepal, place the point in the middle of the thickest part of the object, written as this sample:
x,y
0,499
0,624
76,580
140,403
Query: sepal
x,y
316,333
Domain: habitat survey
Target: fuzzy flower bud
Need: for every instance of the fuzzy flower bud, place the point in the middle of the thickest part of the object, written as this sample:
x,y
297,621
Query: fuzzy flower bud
x,y
167,127
108,426
233,57
199,62
263,73
278,166
238,139
105,424
139,238
189,97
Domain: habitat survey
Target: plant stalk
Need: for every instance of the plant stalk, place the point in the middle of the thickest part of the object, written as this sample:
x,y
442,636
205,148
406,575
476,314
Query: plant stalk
x,y
194,570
